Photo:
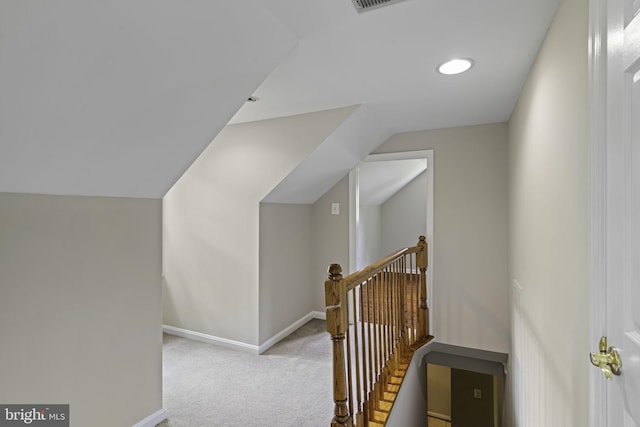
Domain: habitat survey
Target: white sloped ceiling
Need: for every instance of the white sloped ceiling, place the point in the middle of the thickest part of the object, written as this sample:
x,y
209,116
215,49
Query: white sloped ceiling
x,y
117,98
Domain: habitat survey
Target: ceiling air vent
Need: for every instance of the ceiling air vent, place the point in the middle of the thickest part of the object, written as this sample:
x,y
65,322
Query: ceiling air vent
x,y
365,5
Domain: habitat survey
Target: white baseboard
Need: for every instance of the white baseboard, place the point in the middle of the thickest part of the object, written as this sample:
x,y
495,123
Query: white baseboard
x,y
153,420
210,339
237,345
322,315
290,329
440,416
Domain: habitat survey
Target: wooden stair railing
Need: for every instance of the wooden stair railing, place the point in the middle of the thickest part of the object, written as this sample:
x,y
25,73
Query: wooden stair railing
x,y
377,318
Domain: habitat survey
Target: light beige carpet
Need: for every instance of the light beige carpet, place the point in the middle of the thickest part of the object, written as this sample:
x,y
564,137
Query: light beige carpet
x,y
289,385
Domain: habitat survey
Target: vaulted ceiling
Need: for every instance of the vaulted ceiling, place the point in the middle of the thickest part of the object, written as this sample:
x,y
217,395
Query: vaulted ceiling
x,y
117,98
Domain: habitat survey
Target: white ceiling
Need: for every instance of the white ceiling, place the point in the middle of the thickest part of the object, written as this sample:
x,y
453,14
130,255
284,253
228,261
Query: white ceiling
x,y
386,59
118,98
379,181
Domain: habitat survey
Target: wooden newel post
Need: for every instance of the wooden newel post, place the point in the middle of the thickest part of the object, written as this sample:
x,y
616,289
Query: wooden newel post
x,y
335,296
423,312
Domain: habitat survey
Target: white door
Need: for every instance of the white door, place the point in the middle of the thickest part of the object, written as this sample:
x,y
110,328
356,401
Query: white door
x,y
621,214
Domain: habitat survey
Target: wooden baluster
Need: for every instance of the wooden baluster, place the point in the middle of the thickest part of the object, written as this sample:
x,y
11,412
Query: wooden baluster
x,y
388,323
407,301
369,355
380,305
401,315
423,313
370,332
396,320
365,371
387,315
400,322
393,314
349,358
356,348
376,321
403,300
382,320
377,340
337,322
412,289
383,313
406,307
363,316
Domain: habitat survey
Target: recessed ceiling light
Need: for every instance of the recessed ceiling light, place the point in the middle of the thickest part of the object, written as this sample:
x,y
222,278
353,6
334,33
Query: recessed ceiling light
x,y
455,66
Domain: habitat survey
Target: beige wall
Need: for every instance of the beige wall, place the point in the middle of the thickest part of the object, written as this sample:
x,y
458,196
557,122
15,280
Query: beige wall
x,y
369,236
302,240
80,305
330,237
211,222
439,389
404,216
549,240
286,291
470,281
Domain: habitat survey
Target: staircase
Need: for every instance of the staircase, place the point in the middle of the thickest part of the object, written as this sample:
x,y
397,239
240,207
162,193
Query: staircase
x,y
389,393
377,318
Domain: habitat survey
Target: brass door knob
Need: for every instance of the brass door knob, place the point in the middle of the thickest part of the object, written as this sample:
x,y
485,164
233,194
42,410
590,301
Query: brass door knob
x,y
607,359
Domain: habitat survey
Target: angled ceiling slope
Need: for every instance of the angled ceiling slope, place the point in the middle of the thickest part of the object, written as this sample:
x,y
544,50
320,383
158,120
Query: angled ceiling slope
x,y
341,151
118,98
379,181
